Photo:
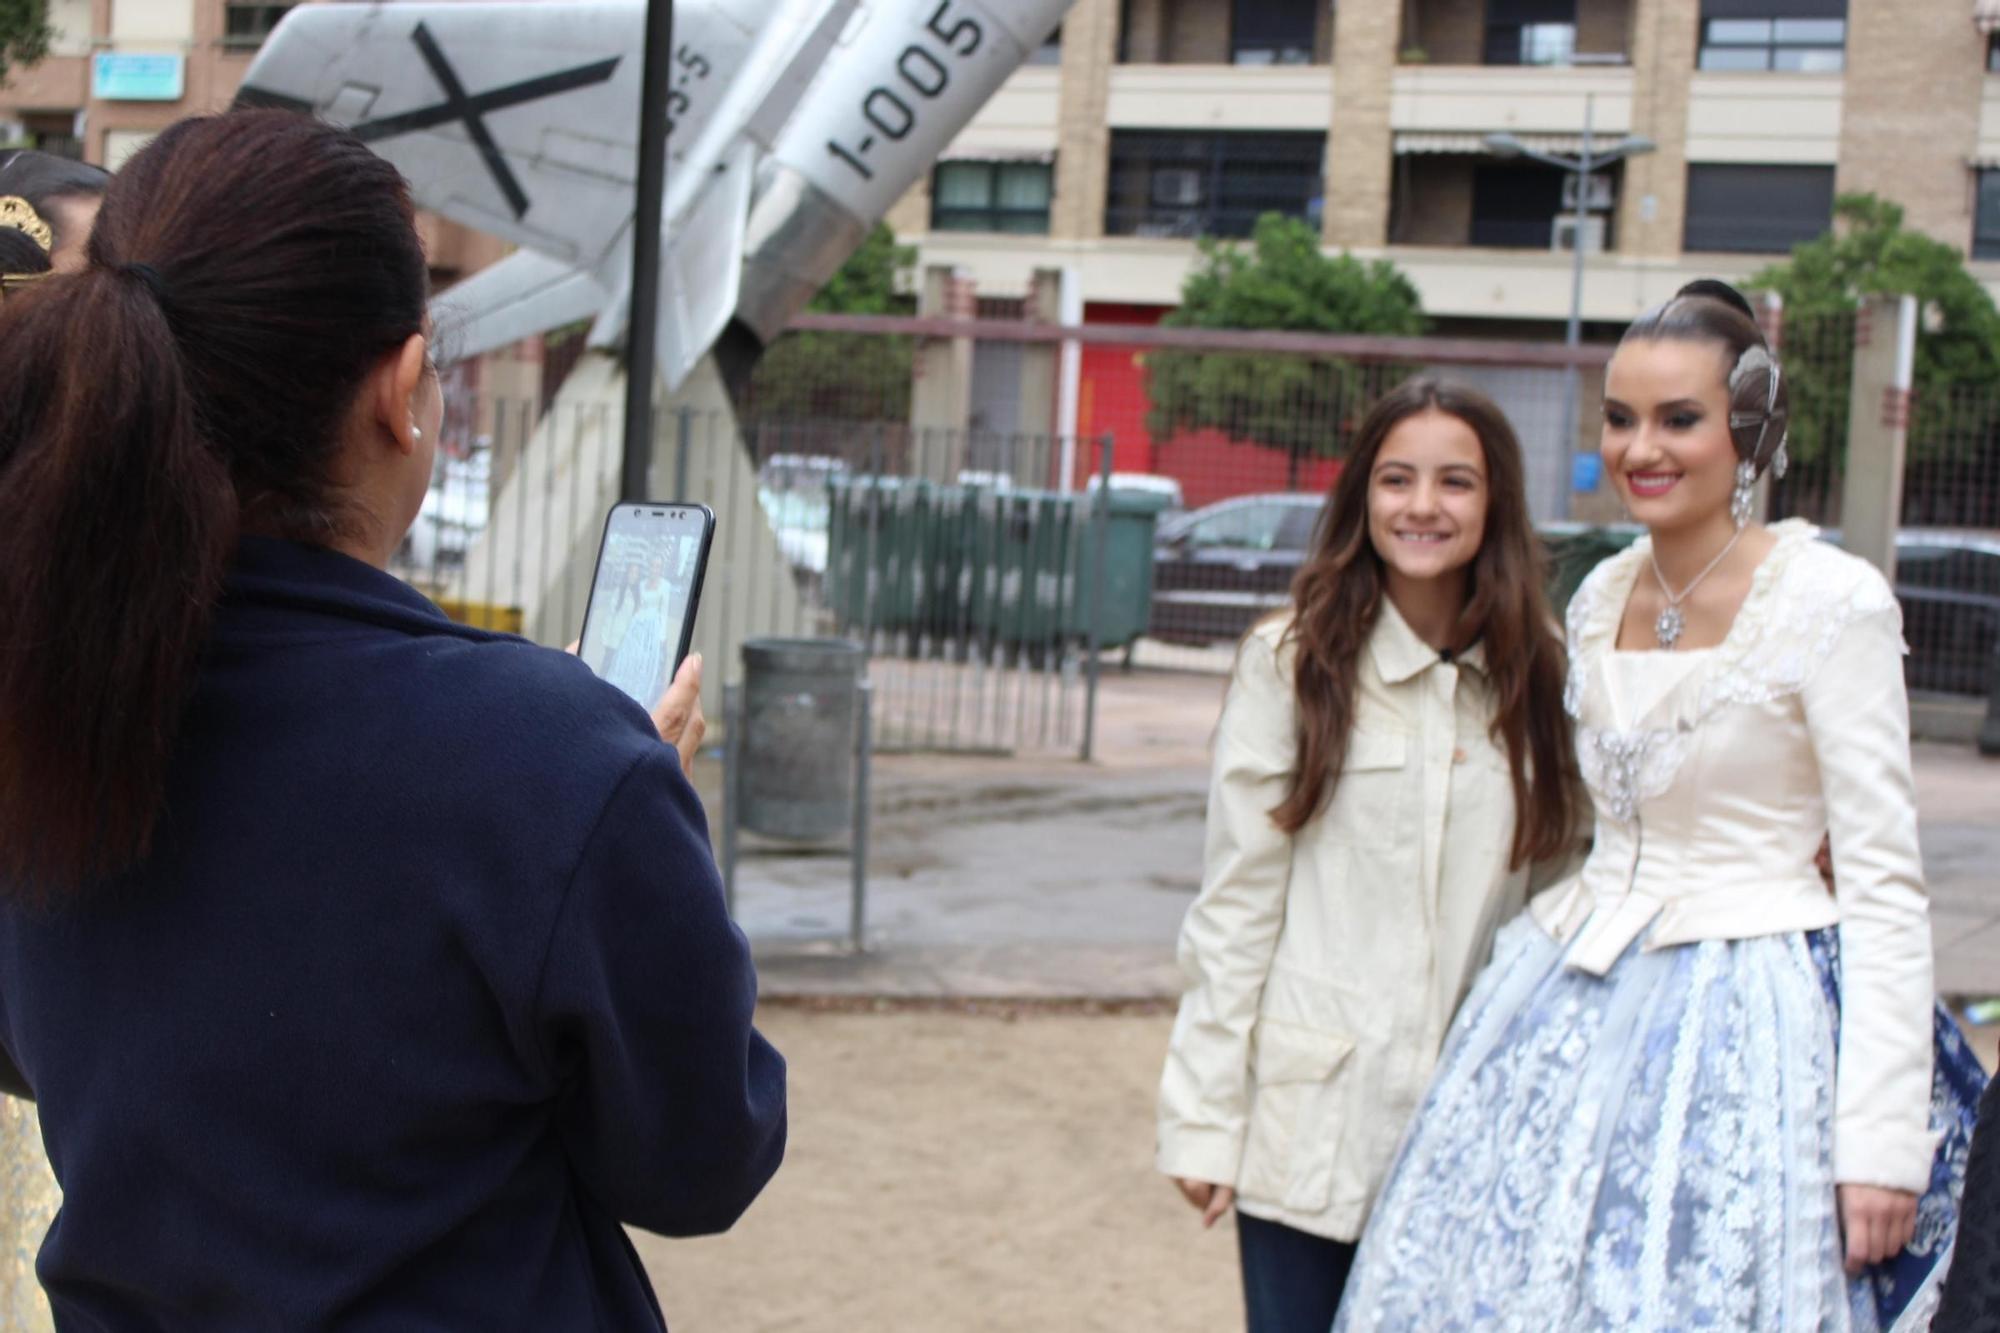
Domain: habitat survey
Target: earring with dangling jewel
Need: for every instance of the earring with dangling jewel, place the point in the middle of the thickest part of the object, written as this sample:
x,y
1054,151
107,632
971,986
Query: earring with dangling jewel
x,y
1742,499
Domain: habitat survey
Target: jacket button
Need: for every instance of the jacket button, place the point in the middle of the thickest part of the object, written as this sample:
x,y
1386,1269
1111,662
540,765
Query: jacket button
x,y
1458,755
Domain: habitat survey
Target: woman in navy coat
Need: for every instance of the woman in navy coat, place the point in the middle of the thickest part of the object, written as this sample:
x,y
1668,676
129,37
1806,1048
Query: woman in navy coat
x,y
370,971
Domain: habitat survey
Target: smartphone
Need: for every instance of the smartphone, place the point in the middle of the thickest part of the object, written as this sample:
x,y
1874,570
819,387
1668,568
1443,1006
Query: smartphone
x,y
639,621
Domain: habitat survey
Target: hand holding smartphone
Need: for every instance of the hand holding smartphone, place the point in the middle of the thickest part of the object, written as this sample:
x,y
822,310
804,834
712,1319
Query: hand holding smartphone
x,y
639,622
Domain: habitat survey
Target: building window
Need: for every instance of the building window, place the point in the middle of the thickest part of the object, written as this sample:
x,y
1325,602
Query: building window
x,y
1993,52
1797,36
245,26
1757,209
1170,184
1272,32
991,196
1530,32
1515,205
1986,217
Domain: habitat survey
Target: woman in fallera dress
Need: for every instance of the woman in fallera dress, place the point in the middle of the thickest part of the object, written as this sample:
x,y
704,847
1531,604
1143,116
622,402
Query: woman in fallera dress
x,y
1695,1089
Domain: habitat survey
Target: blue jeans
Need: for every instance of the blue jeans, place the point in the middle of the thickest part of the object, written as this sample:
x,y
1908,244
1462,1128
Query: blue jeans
x,y
1292,1280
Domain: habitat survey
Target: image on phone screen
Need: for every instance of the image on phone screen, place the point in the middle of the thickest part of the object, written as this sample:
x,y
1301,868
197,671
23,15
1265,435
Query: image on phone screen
x,y
639,603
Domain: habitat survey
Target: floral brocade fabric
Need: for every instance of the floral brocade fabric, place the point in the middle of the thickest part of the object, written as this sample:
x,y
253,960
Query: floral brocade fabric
x,y
1646,1151
28,1201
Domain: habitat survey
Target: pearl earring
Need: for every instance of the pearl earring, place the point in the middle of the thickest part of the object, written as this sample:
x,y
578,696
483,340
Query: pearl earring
x,y
416,434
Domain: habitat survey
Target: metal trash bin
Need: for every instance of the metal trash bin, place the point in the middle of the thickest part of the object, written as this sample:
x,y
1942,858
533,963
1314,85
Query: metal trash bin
x,y
800,720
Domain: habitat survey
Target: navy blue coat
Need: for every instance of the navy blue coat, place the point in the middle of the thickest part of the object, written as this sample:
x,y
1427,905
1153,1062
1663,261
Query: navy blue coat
x,y
426,987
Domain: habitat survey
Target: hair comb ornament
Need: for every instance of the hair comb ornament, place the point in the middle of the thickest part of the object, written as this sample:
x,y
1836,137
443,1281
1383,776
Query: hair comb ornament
x,y
19,214
1753,360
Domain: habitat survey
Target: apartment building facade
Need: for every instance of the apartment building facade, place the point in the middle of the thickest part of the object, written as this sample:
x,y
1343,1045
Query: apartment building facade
x,y
1162,120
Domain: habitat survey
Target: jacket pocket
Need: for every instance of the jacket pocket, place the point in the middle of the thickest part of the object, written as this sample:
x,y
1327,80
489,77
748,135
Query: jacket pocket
x,y
1368,800
1294,1131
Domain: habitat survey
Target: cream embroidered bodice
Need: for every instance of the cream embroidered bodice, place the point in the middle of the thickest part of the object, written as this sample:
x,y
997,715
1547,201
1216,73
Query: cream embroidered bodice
x,y
1715,776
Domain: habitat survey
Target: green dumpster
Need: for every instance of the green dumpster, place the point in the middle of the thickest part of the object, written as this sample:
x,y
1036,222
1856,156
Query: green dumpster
x,y
1128,566
877,531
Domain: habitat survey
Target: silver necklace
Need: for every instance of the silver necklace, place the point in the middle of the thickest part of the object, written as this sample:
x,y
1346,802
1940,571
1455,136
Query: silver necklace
x,y
1667,629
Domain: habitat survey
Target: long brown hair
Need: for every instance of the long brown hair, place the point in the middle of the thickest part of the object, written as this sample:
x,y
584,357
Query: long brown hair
x,y
245,274
1338,595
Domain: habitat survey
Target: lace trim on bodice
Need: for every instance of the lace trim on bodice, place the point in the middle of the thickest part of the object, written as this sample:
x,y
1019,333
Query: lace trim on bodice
x,y
1802,598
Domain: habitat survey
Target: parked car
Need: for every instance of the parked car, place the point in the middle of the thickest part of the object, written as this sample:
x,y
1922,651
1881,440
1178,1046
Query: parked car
x,y
453,515
1221,568
1947,580
794,490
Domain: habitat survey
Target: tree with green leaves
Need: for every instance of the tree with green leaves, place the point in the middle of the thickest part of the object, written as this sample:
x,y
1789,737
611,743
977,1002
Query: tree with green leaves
x,y
1958,355
844,376
25,33
1280,280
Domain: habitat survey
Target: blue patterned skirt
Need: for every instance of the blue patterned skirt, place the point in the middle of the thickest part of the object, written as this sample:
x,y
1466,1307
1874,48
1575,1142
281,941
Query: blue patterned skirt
x,y
1647,1150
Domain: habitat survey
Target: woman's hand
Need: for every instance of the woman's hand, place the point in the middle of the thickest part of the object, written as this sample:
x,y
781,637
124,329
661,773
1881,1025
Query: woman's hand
x,y
1877,1223
1211,1201
678,715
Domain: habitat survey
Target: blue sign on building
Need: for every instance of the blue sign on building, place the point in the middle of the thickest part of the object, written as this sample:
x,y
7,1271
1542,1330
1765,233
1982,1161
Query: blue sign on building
x,y
117,77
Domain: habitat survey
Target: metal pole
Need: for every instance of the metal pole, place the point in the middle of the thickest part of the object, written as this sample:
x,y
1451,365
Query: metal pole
x,y
685,436
1100,532
865,750
1573,335
642,332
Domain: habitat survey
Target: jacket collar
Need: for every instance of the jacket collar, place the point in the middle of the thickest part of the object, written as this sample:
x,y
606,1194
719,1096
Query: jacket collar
x,y
276,585
1400,655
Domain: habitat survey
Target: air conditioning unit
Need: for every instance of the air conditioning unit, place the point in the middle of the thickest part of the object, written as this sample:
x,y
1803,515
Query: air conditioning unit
x,y
1177,186
1562,235
1600,194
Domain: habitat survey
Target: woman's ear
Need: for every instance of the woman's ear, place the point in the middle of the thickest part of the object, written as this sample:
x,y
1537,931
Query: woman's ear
x,y
396,379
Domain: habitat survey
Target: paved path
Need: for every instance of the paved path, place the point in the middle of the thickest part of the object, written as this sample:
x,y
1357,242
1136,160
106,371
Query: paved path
x,y
1051,878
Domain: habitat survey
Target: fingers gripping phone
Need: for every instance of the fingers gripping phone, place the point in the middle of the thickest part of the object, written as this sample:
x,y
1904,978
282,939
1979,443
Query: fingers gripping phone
x,y
639,621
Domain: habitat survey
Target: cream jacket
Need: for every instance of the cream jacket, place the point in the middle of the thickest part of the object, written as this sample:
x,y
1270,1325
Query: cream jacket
x,y
1714,787
1323,968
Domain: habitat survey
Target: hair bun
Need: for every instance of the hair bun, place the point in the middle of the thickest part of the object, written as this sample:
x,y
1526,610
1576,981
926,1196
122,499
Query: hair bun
x,y
1713,289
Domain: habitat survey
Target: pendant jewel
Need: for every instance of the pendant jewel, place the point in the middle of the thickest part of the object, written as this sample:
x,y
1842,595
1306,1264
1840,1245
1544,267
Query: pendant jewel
x,y
1667,629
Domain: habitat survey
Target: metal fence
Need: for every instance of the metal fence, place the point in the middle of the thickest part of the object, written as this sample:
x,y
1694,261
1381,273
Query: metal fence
x,y
949,555
966,555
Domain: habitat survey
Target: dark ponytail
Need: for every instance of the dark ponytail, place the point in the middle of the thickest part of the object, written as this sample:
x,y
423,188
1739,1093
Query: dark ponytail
x,y
245,274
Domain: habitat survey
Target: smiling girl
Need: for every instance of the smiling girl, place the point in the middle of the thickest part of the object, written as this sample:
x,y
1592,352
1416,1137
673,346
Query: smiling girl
x,y
1695,1089
1392,759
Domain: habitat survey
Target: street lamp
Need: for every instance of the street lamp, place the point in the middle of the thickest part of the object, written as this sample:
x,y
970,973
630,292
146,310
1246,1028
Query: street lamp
x,y
1580,166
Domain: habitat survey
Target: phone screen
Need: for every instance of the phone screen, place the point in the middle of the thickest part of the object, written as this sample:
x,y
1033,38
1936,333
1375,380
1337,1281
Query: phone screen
x,y
643,598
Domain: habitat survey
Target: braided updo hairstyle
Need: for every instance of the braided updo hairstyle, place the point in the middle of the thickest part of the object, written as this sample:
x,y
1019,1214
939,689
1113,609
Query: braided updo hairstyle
x,y
1759,400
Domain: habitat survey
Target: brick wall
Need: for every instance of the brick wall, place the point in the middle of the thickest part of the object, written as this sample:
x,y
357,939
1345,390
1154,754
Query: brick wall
x,y
1366,36
1652,205
1911,115
1434,203
1604,27
1083,139
1449,32
1197,32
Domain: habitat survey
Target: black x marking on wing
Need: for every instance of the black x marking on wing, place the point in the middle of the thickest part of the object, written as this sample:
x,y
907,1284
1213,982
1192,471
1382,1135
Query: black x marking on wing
x,y
457,106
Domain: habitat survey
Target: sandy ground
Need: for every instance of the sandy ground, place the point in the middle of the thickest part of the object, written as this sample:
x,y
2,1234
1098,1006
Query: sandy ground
x,y
954,1172
961,1173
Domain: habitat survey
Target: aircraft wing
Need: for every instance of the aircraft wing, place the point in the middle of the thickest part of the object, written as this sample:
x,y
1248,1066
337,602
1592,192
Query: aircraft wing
x,y
518,297
514,119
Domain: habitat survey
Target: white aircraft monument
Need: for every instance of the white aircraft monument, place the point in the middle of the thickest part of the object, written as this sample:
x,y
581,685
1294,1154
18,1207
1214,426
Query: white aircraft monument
x,y
794,126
